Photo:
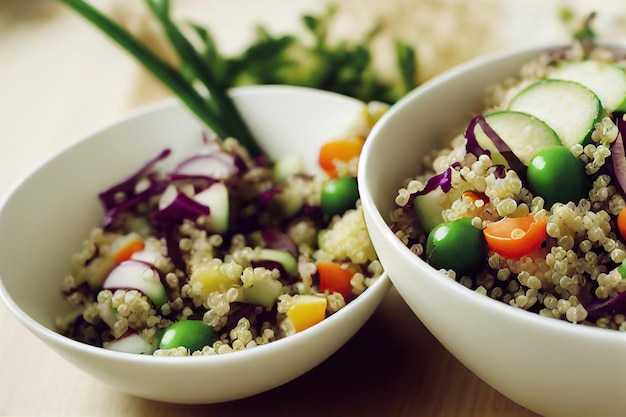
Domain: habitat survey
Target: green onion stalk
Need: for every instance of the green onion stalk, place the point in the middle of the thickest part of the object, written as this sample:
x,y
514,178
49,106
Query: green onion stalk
x,y
216,110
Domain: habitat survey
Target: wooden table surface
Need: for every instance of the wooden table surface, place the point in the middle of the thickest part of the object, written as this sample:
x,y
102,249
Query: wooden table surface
x,y
59,79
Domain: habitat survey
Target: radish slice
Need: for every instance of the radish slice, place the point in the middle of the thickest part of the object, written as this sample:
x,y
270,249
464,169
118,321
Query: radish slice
x,y
215,197
139,276
218,165
130,342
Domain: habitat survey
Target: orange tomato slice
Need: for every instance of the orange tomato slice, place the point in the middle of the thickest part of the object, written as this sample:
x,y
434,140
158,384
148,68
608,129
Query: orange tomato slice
x,y
342,150
514,237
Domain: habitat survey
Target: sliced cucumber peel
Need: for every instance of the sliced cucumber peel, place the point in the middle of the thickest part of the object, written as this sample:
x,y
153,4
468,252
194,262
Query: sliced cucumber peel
x,y
569,108
523,133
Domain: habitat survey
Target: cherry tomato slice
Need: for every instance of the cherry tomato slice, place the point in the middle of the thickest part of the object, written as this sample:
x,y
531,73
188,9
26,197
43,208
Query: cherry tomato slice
x,y
514,237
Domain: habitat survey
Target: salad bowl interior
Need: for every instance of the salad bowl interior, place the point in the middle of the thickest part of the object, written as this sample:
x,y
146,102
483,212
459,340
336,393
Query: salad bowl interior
x,y
47,215
549,366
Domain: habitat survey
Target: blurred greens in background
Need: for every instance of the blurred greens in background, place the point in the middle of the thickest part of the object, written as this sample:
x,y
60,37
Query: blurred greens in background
x,y
312,60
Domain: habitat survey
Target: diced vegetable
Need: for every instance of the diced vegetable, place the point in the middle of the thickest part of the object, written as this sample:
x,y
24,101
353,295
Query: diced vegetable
x,y
475,195
456,245
523,133
130,342
343,150
263,292
621,222
215,165
335,277
557,175
287,166
607,80
339,195
126,246
569,108
191,334
514,237
276,239
211,276
288,262
216,198
306,311
428,208
140,276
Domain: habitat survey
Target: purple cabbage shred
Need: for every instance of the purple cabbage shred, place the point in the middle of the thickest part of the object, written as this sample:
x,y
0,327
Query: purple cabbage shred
x,y
616,164
514,162
443,180
276,239
471,143
127,187
597,309
182,208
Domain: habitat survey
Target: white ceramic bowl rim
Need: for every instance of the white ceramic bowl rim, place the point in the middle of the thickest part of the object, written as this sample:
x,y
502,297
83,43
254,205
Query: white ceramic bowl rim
x,y
381,284
498,307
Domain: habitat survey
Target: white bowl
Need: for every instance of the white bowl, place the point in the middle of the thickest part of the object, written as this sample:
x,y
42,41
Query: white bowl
x,y
549,366
44,219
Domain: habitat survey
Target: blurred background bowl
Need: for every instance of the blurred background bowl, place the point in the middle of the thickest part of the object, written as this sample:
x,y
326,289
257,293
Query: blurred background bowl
x,y
549,366
46,216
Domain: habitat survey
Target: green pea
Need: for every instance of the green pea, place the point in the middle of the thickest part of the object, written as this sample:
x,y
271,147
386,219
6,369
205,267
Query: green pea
x,y
456,245
191,334
339,195
556,175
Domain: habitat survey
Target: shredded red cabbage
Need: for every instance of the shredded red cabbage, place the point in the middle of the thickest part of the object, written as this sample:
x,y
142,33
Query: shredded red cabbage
x,y
443,180
182,208
471,143
156,187
127,187
276,239
514,162
265,197
616,164
167,220
597,309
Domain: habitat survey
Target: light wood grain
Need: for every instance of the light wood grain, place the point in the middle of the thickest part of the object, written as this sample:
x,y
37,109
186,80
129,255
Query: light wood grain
x,y
59,79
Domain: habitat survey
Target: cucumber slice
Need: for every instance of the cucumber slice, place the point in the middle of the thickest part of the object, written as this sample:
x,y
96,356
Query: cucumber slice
x,y
288,166
263,292
608,81
216,199
428,209
569,108
283,257
522,132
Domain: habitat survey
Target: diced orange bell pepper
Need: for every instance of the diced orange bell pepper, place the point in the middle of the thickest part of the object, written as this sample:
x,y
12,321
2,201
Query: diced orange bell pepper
x,y
335,277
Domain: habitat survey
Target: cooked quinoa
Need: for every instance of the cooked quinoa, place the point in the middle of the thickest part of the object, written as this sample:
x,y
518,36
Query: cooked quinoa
x,y
574,275
239,282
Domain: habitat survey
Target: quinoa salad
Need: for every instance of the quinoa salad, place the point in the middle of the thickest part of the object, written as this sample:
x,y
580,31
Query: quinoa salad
x,y
223,252
526,203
